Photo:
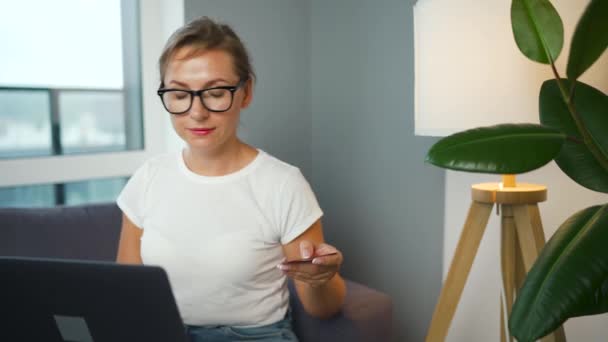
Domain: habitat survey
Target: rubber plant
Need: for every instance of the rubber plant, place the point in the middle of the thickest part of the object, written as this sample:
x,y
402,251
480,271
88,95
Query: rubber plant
x,y
570,276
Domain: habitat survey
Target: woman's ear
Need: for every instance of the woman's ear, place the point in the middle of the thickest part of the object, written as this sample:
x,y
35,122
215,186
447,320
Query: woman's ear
x,y
248,91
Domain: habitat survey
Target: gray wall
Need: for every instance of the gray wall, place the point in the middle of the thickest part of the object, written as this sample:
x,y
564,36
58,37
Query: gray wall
x,y
277,35
344,72
384,206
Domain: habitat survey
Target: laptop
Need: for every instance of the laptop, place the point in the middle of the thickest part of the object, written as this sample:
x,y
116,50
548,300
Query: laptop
x,y
53,300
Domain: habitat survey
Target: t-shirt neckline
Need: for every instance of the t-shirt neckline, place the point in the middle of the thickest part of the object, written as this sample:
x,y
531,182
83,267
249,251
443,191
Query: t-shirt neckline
x,y
219,179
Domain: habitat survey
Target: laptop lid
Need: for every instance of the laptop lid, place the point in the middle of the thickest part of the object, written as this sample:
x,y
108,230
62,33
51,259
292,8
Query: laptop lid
x,y
86,301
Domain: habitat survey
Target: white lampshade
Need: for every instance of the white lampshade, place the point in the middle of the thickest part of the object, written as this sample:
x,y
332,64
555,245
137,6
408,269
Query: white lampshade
x,y
469,71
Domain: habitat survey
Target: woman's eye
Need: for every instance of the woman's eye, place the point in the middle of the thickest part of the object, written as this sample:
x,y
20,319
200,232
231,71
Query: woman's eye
x,y
217,92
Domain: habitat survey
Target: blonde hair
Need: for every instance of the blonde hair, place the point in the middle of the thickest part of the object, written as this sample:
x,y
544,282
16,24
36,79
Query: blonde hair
x,y
204,34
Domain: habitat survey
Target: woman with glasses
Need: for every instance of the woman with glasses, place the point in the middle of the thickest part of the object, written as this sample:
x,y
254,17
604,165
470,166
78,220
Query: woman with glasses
x,y
224,219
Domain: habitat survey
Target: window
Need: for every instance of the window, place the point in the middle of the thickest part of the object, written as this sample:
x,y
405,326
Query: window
x,y
70,84
78,85
93,191
73,193
25,128
27,196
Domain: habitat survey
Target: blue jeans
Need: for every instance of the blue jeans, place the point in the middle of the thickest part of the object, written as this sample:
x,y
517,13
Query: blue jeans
x,y
280,331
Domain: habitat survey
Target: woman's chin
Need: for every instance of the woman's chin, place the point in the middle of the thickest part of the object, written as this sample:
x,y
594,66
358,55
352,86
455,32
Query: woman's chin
x,y
201,145
203,141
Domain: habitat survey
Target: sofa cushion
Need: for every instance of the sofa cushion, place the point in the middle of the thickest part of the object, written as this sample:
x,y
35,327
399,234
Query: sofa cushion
x,y
88,232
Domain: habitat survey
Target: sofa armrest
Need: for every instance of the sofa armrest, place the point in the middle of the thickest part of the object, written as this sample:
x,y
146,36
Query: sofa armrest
x,y
365,316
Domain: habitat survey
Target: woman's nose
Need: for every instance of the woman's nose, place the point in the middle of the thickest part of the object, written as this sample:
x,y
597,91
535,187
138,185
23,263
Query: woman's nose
x,y
198,111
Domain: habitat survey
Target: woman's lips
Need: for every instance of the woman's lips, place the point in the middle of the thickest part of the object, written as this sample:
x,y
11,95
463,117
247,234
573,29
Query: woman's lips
x,y
201,131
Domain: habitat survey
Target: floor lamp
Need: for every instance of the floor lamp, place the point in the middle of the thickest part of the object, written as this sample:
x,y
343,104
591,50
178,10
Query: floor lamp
x,y
522,237
470,73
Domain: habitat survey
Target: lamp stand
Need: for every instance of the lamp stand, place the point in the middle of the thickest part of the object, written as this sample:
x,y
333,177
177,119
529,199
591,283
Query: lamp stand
x,y
522,238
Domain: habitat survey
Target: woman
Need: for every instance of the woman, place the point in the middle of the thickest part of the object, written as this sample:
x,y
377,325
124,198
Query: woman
x,y
222,217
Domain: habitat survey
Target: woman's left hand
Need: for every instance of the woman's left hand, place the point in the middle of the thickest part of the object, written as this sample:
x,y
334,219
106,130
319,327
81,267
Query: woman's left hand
x,y
326,261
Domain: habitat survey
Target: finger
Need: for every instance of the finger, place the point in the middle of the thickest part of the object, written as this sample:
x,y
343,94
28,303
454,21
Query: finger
x,y
309,268
333,260
307,249
316,277
329,260
311,282
299,277
325,248
304,268
327,273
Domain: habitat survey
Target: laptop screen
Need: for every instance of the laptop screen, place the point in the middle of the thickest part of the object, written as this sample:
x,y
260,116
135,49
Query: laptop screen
x,y
86,301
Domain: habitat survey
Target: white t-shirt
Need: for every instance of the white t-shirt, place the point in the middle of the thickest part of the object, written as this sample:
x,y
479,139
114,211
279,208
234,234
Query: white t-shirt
x,y
219,238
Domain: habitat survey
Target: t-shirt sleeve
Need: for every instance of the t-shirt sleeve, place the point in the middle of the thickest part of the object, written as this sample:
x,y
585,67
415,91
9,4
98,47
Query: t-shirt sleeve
x,y
298,208
131,199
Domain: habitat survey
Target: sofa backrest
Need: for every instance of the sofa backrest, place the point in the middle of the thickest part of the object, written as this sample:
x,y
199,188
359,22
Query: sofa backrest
x,y
88,232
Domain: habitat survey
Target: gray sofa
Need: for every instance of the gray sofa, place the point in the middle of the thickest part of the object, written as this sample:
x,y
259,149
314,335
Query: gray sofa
x,y
91,232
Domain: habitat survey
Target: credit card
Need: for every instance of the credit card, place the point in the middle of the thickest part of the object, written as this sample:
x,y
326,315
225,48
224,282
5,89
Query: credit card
x,y
306,261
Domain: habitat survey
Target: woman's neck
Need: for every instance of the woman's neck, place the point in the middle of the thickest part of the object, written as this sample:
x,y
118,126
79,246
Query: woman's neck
x,y
219,162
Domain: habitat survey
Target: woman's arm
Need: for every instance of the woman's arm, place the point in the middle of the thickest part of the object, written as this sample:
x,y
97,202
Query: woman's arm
x,y
320,288
129,246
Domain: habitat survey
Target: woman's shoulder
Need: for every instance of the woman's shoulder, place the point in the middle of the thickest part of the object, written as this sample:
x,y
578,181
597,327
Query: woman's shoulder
x,y
157,162
276,166
275,173
166,158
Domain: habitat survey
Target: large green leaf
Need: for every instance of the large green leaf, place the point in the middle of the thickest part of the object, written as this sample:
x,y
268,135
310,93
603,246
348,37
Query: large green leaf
x,y
538,29
575,159
569,278
500,149
590,39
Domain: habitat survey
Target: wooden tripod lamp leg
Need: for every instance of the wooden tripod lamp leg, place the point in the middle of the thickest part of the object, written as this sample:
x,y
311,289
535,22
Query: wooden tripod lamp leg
x,y
520,269
503,337
537,226
470,237
507,258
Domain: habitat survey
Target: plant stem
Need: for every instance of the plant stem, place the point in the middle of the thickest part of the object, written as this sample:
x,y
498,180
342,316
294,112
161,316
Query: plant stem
x,y
574,140
572,86
587,138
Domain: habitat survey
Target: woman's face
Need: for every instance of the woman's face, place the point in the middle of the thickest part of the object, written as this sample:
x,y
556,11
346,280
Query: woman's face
x,y
201,129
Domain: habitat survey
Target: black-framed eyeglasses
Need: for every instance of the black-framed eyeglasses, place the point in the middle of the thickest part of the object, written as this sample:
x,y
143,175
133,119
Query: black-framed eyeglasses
x,y
215,99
